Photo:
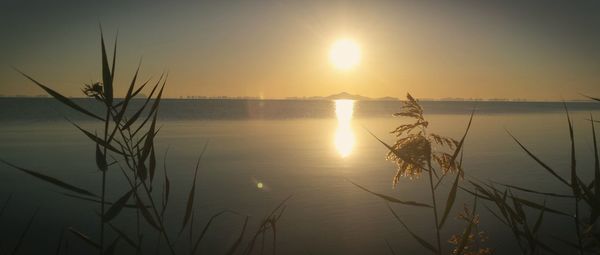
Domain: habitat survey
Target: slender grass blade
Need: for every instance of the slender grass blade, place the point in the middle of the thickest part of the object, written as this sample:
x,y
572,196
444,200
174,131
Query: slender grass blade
x,y
66,101
24,233
392,199
190,199
116,208
421,241
450,201
85,238
51,180
540,162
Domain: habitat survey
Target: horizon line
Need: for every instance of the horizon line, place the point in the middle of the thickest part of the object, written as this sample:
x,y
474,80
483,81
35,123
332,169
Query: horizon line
x,y
325,98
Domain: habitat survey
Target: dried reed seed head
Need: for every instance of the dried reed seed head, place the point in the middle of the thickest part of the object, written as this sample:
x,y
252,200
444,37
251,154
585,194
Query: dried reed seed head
x,y
411,154
94,90
444,160
474,240
413,151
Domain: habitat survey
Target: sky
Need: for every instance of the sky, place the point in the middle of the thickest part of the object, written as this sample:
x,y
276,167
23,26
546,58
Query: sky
x,y
540,50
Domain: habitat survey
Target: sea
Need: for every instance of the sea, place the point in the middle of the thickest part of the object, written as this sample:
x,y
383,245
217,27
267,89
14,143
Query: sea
x,y
261,152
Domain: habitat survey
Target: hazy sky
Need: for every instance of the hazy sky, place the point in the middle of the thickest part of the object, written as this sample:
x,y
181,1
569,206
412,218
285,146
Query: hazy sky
x,y
274,49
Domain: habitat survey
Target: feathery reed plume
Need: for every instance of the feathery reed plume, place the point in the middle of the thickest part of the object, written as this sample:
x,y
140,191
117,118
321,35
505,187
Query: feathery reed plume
x,y
413,150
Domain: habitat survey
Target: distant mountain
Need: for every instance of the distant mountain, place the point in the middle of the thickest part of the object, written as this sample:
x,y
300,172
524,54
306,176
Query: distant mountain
x,y
345,95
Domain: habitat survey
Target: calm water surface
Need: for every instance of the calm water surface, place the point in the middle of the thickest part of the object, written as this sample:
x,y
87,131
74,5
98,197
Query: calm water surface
x,y
258,155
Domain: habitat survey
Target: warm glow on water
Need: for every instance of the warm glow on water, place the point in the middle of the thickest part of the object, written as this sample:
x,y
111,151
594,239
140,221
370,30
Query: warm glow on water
x,y
344,136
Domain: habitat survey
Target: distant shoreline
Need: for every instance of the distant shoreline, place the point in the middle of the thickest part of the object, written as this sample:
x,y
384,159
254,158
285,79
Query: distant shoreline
x,y
328,99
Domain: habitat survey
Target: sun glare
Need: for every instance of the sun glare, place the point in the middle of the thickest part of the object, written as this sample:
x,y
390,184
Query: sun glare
x,y
344,54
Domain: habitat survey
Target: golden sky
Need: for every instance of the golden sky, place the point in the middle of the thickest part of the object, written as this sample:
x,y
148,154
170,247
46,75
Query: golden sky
x,y
277,49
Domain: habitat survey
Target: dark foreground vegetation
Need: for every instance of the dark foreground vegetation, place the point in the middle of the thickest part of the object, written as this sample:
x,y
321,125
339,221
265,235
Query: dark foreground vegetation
x,y
125,146
416,152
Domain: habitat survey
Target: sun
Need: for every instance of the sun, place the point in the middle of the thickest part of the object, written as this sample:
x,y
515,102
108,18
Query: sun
x,y
344,54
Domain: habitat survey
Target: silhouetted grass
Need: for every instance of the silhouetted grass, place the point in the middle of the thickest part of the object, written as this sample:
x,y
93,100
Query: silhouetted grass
x,y
511,209
413,154
126,146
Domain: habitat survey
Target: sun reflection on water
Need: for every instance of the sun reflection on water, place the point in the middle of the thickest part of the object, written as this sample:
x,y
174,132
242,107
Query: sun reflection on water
x,y
344,136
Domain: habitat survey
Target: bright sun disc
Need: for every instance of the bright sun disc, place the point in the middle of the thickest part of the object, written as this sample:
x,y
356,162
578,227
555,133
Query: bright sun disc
x,y
344,54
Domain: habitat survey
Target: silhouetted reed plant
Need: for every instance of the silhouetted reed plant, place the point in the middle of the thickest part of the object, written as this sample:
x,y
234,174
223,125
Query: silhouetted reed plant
x,y
126,146
417,150
15,249
514,211
414,152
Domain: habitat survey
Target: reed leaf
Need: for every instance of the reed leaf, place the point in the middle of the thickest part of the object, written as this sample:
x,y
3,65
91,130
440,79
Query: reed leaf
x,y
5,205
51,180
462,140
100,159
237,242
465,237
84,238
148,143
440,179
152,164
127,98
112,247
142,171
66,101
116,208
390,247
534,191
540,162
450,200
24,233
587,194
114,60
134,94
593,98
421,241
497,216
123,235
190,199
98,140
518,207
539,206
154,109
545,247
167,184
147,216
391,199
106,73
205,229
139,112
97,200
596,160
482,190
574,178
60,241
476,194
540,219
140,88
